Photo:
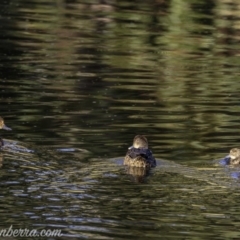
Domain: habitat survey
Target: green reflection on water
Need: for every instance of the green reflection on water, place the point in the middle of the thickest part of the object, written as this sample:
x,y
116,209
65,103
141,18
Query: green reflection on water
x,y
91,76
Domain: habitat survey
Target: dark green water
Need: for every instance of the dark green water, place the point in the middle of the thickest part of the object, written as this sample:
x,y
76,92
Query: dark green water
x,y
90,75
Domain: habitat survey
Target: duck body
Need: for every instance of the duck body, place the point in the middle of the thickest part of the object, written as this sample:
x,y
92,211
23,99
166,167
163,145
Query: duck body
x,y
233,158
139,155
3,126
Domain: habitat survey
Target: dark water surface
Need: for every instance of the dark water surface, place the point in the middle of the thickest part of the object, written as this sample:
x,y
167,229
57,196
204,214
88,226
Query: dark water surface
x,y
87,76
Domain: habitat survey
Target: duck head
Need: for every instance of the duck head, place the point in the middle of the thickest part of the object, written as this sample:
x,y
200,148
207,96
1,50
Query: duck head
x,y
139,141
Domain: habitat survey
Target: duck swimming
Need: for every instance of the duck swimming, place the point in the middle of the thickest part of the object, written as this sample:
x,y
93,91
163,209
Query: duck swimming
x,y
3,126
139,155
233,158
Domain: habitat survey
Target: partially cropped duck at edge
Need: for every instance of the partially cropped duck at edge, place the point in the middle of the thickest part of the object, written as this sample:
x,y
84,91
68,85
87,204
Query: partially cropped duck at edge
x,y
3,126
233,158
139,155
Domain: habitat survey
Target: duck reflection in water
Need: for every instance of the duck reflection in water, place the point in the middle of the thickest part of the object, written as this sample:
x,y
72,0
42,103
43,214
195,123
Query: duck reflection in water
x,y
233,158
3,126
139,159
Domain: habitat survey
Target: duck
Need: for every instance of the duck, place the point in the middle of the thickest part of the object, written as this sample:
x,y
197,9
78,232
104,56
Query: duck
x,y
139,155
3,126
233,158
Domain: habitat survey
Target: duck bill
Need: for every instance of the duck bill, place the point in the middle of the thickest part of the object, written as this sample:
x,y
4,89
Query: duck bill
x,y
225,161
6,128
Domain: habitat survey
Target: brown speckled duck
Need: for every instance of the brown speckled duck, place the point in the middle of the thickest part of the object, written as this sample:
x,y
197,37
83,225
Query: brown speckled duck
x,y
233,158
139,155
3,126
